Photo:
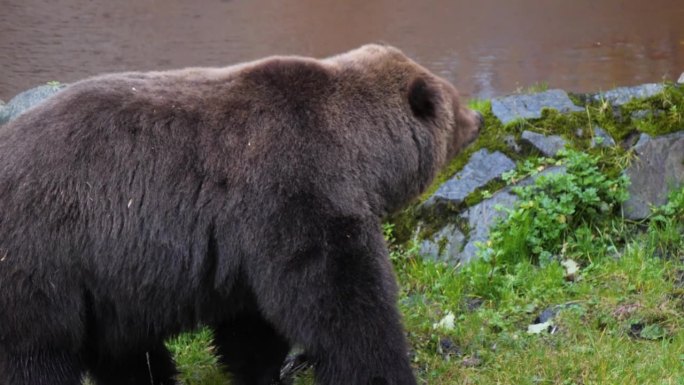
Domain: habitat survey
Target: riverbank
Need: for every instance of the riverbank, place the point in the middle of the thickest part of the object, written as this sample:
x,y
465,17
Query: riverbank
x,y
577,248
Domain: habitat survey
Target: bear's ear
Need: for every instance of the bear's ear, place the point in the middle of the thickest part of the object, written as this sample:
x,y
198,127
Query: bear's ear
x,y
422,98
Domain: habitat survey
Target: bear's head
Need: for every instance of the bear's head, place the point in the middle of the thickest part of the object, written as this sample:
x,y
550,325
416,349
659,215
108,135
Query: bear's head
x,y
422,113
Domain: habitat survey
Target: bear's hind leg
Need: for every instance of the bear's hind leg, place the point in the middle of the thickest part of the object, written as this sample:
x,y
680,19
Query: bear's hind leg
x,y
251,350
40,367
154,366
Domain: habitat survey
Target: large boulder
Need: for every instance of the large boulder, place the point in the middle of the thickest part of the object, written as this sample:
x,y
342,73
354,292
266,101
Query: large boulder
x,y
547,145
658,169
27,99
529,106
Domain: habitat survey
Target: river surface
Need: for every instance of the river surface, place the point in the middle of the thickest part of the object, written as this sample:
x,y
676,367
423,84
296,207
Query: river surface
x,y
486,47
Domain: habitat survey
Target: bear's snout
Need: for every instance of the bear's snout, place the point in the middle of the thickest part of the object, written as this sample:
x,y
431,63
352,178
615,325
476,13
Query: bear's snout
x,y
479,118
470,123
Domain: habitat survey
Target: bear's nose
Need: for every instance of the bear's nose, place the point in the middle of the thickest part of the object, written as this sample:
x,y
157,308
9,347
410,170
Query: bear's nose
x,y
480,120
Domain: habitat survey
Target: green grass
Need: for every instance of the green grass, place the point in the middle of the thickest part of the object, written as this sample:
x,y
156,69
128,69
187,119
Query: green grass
x,y
594,340
196,359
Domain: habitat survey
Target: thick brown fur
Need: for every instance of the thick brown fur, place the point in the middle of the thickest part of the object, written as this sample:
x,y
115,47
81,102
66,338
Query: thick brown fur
x,y
136,206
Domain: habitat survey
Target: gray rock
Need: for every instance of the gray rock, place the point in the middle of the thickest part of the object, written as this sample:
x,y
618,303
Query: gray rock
x,y
454,246
482,168
645,114
547,145
551,312
659,168
510,142
510,108
681,79
605,139
547,315
482,217
27,99
643,139
622,95
450,244
633,138
446,245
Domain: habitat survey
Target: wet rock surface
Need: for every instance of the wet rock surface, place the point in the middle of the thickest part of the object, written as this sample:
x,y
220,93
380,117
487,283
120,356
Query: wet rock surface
x,y
483,167
547,145
623,95
529,106
658,169
27,99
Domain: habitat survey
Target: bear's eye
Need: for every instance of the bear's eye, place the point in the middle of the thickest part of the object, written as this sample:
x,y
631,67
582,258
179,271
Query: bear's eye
x,y
422,98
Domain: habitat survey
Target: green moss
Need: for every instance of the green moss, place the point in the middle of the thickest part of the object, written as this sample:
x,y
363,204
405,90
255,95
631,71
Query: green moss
x,y
576,99
483,193
664,112
481,105
404,224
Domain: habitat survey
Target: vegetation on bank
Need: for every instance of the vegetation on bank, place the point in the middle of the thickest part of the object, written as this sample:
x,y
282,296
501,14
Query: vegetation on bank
x,y
615,288
566,291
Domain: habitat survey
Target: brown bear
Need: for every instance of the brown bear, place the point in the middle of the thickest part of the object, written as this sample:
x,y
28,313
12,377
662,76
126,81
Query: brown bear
x,y
249,199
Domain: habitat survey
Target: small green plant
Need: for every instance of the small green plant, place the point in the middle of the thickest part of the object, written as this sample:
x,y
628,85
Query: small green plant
x,y
551,210
666,227
481,105
196,358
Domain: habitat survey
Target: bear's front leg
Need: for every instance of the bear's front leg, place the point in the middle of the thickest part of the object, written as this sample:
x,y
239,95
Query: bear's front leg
x,y
336,296
250,349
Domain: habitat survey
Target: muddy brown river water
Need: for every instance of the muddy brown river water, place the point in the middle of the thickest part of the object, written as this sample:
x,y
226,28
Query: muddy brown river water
x,y
486,47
